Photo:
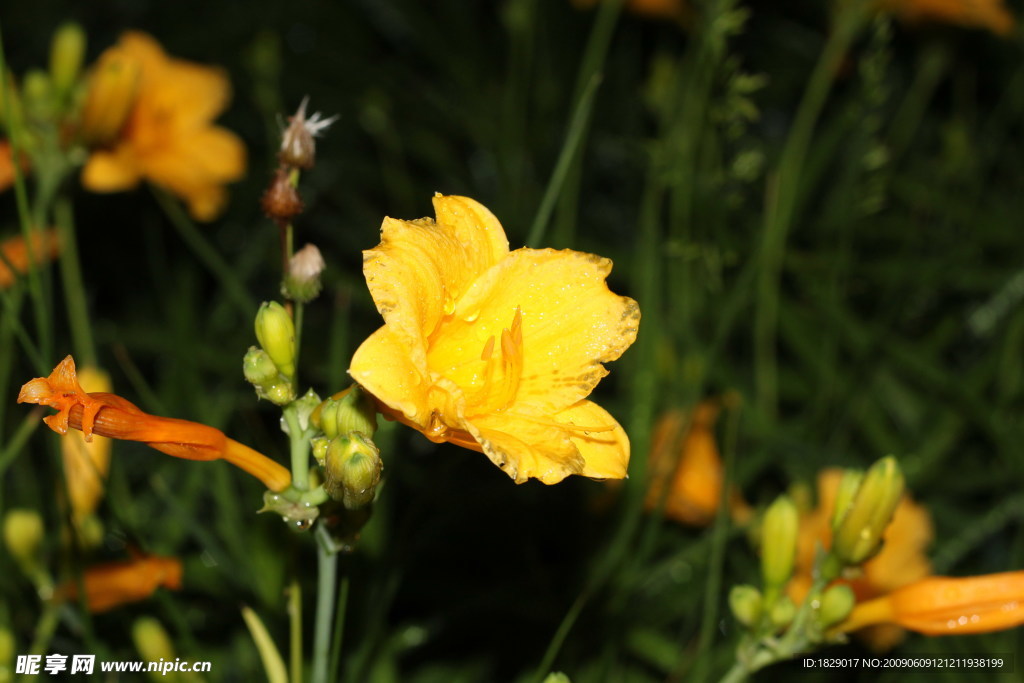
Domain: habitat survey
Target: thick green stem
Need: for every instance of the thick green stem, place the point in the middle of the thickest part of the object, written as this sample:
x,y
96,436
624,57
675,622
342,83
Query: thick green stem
x,y
299,446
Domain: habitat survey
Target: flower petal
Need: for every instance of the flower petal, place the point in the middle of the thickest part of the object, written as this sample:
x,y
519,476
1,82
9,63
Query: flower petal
x,y
525,446
422,267
113,171
382,366
605,449
571,323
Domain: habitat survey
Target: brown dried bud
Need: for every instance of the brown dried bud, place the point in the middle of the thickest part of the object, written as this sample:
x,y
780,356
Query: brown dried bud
x,y
281,202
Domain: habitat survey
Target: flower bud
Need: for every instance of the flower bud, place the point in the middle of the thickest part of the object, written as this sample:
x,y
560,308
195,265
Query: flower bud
x,y
782,612
745,603
258,368
66,51
298,142
848,486
280,201
37,90
352,470
280,393
319,445
351,410
276,334
778,544
859,536
302,283
836,604
152,640
113,84
23,536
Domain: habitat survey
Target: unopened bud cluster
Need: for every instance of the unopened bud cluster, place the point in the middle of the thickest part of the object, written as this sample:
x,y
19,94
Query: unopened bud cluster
x,y
350,460
864,507
270,368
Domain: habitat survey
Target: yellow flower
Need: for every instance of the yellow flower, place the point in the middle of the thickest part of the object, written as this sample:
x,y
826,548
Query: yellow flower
x,y
167,138
86,463
988,14
939,605
495,350
901,561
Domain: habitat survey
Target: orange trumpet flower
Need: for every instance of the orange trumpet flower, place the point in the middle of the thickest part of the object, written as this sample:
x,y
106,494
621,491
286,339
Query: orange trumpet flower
x,y
940,606
116,583
112,416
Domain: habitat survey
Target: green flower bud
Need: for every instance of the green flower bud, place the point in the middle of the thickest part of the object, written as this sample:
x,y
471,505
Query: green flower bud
x,y
299,515
152,640
778,544
836,604
859,536
352,470
848,486
258,368
348,411
782,612
319,445
279,394
38,93
302,282
745,603
66,52
276,333
23,536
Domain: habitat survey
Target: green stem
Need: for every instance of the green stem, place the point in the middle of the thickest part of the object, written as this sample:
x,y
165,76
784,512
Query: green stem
x,y
339,630
295,613
783,192
74,286
327,583
206,253
299,443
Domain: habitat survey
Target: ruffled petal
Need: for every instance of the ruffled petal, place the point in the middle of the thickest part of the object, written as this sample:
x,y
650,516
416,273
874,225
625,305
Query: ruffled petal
x,y
422,267
604,447
526,446
571,324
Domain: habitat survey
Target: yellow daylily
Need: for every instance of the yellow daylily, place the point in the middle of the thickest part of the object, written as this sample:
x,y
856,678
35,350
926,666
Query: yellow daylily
x,y
167,137
495,350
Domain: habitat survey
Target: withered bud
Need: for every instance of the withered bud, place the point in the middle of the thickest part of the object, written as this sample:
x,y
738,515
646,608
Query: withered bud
x,y
281,202
298,142
302,282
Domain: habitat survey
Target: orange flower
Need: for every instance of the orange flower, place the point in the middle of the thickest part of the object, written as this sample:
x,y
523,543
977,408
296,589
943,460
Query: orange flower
x,y
15,256
7,165
901,561
86,463
988,14
117,583
940,606
696,482
112,416
167,138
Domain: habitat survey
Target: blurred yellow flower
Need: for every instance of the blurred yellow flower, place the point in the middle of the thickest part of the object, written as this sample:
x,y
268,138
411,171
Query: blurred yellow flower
x,y
901,561
987,14
938,605
495,350
86,463
167,137
16,257
689,463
